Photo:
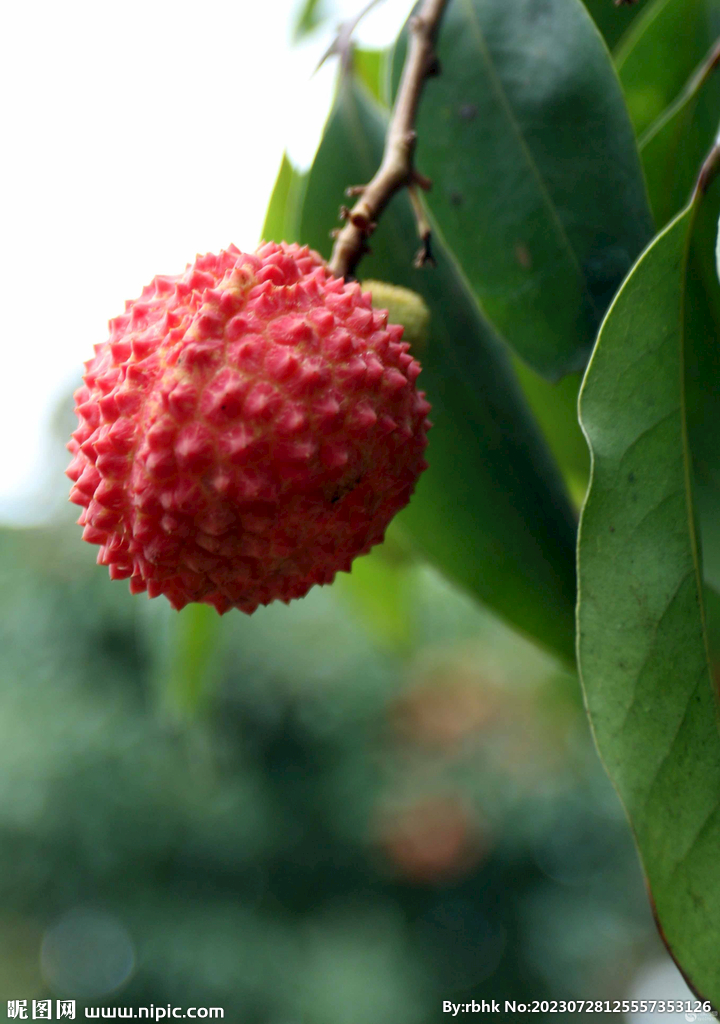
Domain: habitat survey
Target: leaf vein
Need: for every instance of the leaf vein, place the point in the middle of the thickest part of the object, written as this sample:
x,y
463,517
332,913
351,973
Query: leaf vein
x,y
527,152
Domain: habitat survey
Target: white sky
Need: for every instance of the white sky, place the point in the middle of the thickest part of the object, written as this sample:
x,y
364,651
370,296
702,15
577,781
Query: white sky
x,y
135,136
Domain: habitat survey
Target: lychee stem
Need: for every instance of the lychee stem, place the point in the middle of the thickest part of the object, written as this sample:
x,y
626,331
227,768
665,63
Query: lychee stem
x,y
396,170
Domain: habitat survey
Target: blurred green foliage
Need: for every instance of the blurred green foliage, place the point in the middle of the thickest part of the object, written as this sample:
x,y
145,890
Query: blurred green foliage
x,y
346,829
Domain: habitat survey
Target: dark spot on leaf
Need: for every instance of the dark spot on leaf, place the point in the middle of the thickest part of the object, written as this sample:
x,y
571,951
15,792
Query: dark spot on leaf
x,y
456,199
612,529
631,478
468,111
538,9
522,255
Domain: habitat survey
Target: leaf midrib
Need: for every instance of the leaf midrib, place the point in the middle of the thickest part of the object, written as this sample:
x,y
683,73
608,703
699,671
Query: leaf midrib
x,y
499,90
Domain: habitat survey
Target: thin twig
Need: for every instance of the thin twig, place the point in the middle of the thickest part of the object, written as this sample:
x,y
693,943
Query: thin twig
x,y
693,85
342,43
708,171
396,170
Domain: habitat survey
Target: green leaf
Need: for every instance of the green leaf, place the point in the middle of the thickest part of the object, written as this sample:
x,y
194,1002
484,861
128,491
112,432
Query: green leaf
x,y
370,66
537,188
673,147
702,361
491,511
672,151
613,20
659,52
282,218
712,627
642,649
311,14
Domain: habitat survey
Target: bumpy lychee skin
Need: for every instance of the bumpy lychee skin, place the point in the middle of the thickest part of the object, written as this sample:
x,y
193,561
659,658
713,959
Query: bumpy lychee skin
x,y
249,428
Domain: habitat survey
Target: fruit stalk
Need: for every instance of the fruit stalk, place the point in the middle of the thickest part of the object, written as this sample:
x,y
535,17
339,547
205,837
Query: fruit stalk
x,y
397,169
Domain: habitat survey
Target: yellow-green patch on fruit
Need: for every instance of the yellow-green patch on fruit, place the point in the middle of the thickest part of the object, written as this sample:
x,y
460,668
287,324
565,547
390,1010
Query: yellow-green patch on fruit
x,y
404,307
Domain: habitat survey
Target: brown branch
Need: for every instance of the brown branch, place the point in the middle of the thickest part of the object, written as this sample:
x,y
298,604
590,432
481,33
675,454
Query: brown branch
x,y
711,62
709,170
396,170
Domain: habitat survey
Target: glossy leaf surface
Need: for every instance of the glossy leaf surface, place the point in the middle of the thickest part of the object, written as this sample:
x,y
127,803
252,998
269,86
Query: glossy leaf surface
x,y
491,511
538,188
642,648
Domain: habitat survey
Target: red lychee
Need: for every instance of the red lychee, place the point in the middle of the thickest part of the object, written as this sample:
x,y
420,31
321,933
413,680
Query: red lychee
x,y
249,428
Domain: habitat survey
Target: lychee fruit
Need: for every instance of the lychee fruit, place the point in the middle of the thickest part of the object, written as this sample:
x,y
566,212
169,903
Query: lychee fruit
x,y
249,427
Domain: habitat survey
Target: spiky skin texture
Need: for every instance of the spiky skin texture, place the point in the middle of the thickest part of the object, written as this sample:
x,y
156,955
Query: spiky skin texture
x,y
249,428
